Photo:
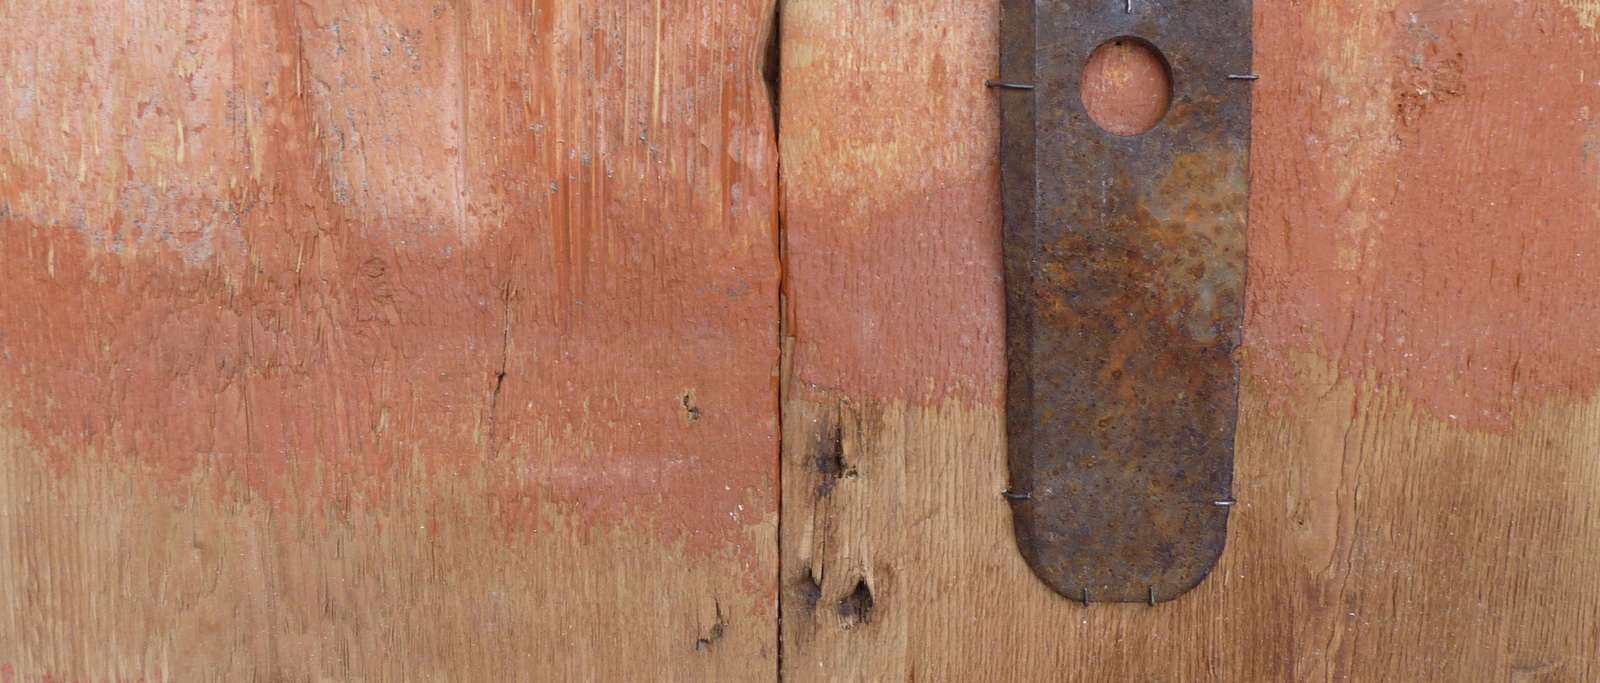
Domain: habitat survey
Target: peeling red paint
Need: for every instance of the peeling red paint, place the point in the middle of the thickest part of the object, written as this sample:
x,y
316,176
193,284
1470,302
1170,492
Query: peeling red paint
x,y
869,303
892,202
308,254
1424,207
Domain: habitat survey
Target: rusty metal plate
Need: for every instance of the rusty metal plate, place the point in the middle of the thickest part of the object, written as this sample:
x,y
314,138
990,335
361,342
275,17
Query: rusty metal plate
x,y
1125,273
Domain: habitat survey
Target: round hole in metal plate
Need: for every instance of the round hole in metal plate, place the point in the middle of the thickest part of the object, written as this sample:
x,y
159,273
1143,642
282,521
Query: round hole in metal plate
x,y
1126,86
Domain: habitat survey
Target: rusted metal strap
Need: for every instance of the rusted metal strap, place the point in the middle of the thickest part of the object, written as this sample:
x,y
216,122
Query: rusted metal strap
x,y
1125,269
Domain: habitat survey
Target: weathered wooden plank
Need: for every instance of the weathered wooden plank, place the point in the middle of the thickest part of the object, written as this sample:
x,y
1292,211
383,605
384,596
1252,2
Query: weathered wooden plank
x,y
387,341
1418,463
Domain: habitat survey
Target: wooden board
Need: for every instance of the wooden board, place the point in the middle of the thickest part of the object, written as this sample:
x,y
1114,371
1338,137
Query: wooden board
x,y
1418,461
391,341
387,341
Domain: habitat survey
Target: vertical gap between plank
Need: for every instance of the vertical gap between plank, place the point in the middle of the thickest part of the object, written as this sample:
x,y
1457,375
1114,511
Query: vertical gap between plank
x,y
771,71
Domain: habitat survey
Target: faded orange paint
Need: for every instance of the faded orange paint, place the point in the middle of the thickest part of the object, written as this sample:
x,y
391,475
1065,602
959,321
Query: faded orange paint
x,y
1424,208
892,201
316,251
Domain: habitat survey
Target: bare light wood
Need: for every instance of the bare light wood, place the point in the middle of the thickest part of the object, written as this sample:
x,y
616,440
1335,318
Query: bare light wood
x,y
1418,462
387,341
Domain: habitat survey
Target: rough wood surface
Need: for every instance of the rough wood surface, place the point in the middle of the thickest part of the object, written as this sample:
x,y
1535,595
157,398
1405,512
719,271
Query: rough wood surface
x,y
387,341
391,341
1418,462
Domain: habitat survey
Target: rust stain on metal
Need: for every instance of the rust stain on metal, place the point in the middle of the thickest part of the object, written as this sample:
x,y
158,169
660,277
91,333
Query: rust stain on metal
x,y
1124,291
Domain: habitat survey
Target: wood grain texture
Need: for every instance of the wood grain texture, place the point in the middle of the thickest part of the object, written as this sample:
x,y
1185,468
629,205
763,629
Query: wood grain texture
x,y
1418,462
387,341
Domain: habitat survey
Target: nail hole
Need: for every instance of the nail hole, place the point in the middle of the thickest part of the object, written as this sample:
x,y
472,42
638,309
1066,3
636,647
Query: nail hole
x,y
1126,86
